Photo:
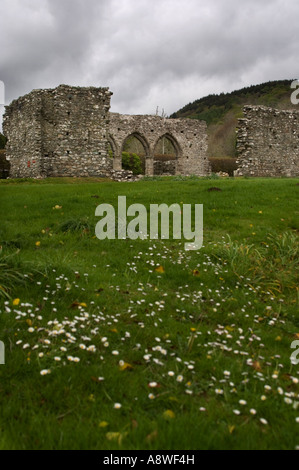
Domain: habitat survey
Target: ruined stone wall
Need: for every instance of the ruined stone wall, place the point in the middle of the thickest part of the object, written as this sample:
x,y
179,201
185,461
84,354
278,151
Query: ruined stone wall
x,y
59,132
75,127
22,127
189,138
164,167
268,142
65,132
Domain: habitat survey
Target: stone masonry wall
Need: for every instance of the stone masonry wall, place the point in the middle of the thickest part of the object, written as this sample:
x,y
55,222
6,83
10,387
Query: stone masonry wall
x,y
66,132
268,143
59,132
188,136
162,167
22,127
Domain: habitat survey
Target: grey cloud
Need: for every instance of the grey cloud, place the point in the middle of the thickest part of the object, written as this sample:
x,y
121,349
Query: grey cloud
x,y
166,52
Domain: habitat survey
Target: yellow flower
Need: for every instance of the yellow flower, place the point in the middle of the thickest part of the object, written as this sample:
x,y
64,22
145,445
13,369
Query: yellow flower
x,y
124,366
229,329
37,244
168,414
103,424
16,302
160,269
231,429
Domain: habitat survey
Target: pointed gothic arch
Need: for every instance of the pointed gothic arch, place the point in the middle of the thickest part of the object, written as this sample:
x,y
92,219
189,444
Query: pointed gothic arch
x,y
166,154
141,139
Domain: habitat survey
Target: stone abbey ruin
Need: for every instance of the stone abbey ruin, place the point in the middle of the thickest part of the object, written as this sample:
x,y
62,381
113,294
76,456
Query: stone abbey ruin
x,y
68,131
268,142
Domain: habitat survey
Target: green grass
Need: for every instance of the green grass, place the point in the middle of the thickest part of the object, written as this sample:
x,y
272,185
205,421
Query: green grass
x,y
220,320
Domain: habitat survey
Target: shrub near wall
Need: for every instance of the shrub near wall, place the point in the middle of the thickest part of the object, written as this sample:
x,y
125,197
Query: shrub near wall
x,y
131,161
4,165
227,165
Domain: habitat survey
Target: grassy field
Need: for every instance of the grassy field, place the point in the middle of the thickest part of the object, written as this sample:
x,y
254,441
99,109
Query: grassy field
x,y
122,344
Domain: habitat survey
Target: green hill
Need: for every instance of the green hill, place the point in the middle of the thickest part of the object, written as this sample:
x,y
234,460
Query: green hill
x,y
221,112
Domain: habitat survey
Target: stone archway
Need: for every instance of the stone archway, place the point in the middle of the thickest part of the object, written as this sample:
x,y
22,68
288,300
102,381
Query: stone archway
x,y
143,150
188,137
113,152
167,152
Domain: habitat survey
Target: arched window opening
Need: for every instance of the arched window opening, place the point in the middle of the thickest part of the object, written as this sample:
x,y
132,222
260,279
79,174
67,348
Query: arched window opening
x,y
134,152
165,156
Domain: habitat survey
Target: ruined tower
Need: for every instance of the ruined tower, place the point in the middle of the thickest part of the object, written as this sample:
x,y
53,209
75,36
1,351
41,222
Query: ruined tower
x,y
58,132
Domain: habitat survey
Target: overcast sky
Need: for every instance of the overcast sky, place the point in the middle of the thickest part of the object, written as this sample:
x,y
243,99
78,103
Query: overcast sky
x,y
150,53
